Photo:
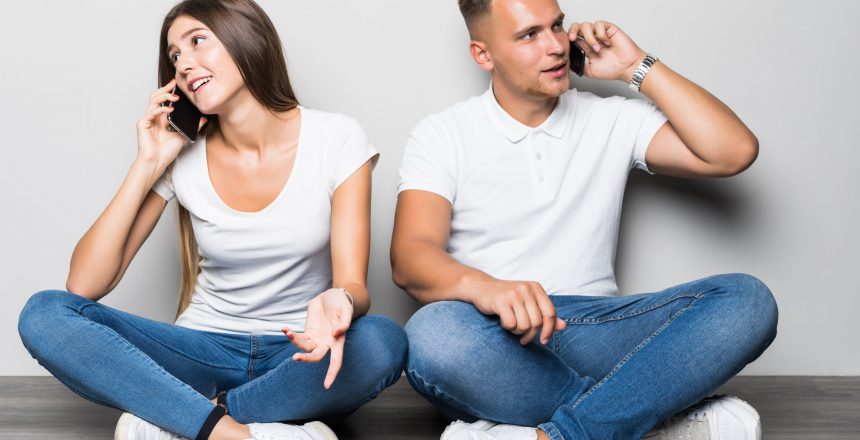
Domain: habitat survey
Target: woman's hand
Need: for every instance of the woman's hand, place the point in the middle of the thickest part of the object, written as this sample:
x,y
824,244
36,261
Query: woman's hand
x,y
329,317
156,144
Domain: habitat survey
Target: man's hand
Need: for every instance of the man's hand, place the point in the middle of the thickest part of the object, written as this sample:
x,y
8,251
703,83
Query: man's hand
x,y
611,53
329,317
523,307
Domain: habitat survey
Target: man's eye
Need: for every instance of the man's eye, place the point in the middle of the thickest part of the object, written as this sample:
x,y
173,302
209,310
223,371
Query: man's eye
x,y
528,36
558,26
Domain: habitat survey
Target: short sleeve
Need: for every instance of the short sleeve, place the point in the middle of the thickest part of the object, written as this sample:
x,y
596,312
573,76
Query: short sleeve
x,y
353,151
645,119
429,163
164,185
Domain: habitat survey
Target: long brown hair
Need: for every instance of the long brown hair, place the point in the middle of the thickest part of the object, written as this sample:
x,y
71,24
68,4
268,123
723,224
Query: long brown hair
x,y
253,43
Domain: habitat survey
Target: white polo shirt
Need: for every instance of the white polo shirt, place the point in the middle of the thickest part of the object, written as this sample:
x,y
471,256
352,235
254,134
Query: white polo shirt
x,y
534,204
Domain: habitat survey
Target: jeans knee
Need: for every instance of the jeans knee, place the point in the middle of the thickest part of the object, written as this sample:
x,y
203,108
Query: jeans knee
x,y
39,315
39,310
443,337
756,308
386,337
430,324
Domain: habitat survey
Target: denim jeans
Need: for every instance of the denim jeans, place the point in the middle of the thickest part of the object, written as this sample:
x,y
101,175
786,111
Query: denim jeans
x,y
167,374
620,366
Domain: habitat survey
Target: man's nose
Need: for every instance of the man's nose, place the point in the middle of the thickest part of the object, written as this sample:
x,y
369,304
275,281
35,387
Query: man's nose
x,y
555,45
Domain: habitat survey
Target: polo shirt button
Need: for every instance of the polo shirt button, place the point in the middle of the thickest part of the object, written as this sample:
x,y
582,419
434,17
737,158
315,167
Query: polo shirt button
x,y
540,156
540,179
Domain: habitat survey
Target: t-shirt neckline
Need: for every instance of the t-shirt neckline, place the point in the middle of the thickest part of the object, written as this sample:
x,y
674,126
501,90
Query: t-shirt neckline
x,y
276,200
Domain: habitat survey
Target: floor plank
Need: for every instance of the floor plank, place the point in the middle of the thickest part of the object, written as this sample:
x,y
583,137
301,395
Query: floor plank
x,y
792,408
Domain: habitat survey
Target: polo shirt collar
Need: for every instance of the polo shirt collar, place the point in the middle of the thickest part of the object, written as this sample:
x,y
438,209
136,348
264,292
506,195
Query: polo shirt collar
x,y
514,130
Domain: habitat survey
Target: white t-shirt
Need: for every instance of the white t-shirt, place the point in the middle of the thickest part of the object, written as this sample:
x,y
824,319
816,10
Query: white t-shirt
x,y
259,270
534,204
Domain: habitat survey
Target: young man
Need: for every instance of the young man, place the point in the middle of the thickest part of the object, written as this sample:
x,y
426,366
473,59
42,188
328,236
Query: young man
x,y
506,227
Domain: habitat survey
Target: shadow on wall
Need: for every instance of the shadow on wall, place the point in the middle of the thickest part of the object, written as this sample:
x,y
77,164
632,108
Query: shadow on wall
x,y
727,206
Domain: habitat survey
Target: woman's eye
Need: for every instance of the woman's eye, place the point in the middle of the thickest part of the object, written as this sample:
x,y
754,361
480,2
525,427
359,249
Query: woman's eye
x,y
196,40
173,58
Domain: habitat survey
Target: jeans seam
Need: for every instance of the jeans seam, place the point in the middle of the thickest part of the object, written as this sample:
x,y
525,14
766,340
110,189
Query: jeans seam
x,y
252,355
601,320
133,348
147,335
639,347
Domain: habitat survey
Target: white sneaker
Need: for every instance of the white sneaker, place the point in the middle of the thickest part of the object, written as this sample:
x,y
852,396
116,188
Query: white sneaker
x,y
132,427
715,418
486,430
282,431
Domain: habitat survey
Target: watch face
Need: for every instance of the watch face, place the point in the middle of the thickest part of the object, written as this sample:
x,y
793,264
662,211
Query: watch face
x,y
577,59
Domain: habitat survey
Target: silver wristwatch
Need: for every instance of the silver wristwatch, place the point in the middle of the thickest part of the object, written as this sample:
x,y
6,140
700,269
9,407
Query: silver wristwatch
x,y
641,71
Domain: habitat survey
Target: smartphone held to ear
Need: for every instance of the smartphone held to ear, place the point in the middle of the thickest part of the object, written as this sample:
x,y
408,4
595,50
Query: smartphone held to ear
x,y
577,59
185,118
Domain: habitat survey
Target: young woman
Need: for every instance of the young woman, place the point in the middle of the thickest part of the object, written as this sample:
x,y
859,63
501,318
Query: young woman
x,y
274,203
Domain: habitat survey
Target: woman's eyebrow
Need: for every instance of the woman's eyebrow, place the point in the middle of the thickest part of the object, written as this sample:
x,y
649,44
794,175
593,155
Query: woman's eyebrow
x,y
186,34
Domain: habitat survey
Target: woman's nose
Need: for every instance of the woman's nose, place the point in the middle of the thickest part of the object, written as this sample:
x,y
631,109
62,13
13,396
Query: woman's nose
x,y
185,64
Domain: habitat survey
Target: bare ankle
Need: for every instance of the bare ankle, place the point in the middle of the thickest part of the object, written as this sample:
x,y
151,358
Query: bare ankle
x,y
542,435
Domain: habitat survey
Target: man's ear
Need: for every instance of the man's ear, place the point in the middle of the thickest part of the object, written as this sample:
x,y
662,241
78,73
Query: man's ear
x,y
481,55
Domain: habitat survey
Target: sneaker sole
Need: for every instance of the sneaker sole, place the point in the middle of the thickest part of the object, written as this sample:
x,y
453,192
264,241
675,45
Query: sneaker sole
x,y
322,428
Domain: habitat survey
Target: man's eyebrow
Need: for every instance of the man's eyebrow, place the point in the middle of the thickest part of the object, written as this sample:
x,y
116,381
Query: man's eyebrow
x,y
558,19
186,34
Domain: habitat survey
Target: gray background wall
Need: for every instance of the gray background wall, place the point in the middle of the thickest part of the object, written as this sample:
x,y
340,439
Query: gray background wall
x,y
76,76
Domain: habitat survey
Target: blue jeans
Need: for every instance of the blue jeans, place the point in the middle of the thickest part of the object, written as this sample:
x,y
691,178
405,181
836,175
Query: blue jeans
x,y
167,374
621,366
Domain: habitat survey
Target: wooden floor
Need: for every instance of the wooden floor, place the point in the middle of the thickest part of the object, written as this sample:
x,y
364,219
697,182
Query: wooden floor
x,y
808,408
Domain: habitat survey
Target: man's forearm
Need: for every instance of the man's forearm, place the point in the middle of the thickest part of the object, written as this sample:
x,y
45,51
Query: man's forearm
x,y
707,126
429,274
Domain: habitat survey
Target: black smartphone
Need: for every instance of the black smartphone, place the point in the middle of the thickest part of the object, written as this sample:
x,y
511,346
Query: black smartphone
x,y
185,118
577,59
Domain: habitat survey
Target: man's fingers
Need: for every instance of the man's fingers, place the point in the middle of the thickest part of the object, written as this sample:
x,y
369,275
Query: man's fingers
x,y
534,311
335,362
546,329
573,32
524,323
600,30
507,318
535,320
529,336
547,310
587,32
